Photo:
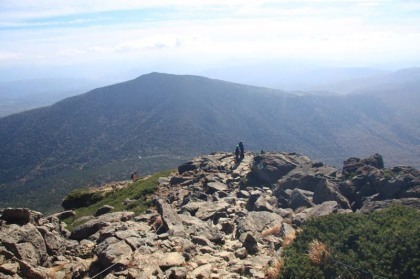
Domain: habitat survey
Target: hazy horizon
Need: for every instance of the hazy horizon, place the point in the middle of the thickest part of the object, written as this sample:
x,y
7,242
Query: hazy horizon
x,y
119,40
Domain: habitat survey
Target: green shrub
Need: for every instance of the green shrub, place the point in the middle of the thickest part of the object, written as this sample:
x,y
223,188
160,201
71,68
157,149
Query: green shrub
x,y
382,244
140,191
82,198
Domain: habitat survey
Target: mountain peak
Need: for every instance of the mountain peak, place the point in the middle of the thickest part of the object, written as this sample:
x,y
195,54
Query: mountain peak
x,y
95,137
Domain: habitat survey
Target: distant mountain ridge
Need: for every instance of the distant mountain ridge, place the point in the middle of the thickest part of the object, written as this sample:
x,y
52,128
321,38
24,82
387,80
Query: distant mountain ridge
x,y
383,81
172,115
22,95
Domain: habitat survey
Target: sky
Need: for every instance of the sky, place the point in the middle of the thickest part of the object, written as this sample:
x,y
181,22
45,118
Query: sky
x,y
98,38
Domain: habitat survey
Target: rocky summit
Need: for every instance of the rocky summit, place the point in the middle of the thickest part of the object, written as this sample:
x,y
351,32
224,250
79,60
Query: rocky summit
x,y
213,218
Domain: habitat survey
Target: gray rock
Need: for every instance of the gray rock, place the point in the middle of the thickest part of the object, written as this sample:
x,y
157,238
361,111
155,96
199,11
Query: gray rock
x,y
201,240
31,272
209,209
120,216
271,167
126,234
301,198
176,273
169,260
21,216
25,242
299,218
242,194
213,187
286,230
55,243
257,202
241,253
257,221
327,191
103,210
189,166
62,215
119,252
227,226
135,242
9,268
351,165
370,206
326,208
390,188
413,192
171,220
183,180
87,229
250,244
202,272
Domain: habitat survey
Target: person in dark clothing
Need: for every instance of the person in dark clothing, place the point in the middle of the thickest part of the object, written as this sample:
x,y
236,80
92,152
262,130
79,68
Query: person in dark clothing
x,y
133,176
237,153
241,147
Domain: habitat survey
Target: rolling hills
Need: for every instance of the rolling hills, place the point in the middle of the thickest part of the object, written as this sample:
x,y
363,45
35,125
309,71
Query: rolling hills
x,y
99,136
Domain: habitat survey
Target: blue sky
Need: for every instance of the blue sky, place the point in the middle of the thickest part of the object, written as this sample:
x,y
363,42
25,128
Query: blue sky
x,y
91,36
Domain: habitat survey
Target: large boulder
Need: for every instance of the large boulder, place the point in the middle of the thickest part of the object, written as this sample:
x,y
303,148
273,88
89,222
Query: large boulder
x,y
120,216
115,253
213,187
257,221
169,260
24,242
21,216
300,198
271,166
351,165
328,191
170,219
250,244
195,226
205,210
103,210
370,206
189,166
62,215
55,243
87,229
325,208
256,202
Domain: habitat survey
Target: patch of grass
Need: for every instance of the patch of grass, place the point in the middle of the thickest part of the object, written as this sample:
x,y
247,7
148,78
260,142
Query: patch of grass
x,y
140,192
388,173
382,244
274,269
275,230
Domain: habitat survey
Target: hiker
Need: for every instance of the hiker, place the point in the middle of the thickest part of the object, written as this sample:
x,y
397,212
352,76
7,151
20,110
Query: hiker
x,y
134,176
241,147
237,153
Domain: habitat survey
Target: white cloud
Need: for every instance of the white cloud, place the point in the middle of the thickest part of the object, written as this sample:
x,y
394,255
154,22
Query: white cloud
x,y
208,32
9,56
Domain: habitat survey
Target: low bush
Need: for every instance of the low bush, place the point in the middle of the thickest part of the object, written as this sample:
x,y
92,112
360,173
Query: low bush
x,y
382,244
139,192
